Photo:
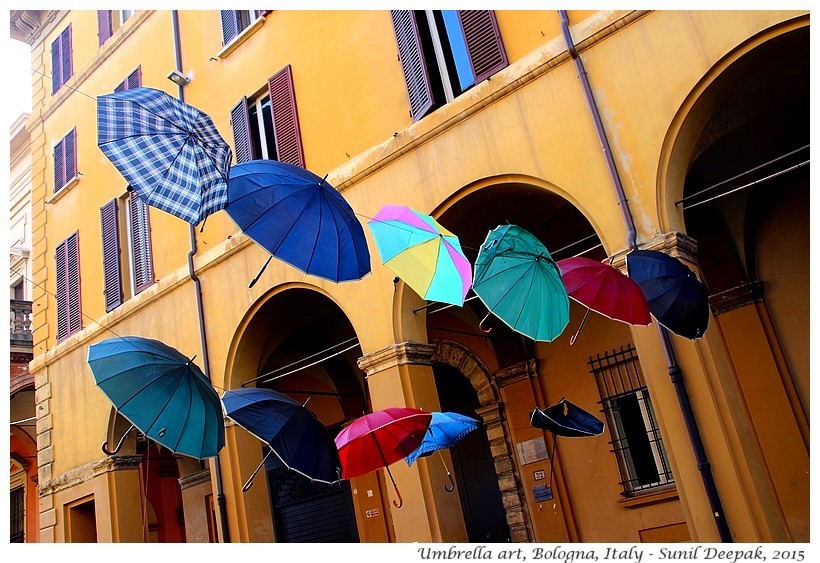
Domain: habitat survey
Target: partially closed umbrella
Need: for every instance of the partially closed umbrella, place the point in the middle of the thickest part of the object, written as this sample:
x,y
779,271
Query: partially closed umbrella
x,y
676,297
170,153
293,433
161,392
605,290
378,439
421,252
520,283
445,431
299,218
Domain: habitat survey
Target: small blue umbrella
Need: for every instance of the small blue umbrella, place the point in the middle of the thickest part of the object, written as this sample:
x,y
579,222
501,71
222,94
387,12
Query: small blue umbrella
x,y
444,432
677,298
170,153
299,218
293,433
161,392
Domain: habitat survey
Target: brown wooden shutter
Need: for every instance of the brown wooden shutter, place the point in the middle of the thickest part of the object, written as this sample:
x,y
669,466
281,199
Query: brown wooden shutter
x,y
140,244
230,25
483,40
240,123
67,261
112,275
104,25
285,118
416,78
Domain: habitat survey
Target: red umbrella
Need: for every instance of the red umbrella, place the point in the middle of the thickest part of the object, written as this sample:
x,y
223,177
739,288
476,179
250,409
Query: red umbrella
x,y
380,438
605,290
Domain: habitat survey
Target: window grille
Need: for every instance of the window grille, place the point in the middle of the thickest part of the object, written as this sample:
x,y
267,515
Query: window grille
x,y
636,439
18,515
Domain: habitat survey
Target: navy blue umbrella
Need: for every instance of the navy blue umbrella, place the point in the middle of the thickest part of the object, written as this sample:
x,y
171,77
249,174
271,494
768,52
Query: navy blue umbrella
x,y
293,433
677,299
299,218
566,419
170,153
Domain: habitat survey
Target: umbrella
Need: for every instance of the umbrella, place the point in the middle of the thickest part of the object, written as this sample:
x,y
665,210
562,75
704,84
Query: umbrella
x,y
605,290
379,439
677,299
565,419
421,252
161,392
299,218
170,153
520,283
293,433
445,430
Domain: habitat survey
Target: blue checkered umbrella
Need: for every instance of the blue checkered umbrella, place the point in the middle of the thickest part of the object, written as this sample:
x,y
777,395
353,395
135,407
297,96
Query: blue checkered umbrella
x,y
169,152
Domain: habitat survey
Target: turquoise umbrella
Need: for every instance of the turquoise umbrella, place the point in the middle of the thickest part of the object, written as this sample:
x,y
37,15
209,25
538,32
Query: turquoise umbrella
x,y
520,283
161,392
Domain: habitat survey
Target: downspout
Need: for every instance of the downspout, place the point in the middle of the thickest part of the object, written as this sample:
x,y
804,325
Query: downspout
x,y
220,494
675,372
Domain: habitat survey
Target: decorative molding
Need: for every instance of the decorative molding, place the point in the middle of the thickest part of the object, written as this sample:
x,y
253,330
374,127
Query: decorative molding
x,y
89,471
518,372
673,243
737,297
194,479
414,353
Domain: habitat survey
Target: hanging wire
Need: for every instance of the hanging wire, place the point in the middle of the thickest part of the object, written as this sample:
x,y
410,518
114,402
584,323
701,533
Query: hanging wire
x,y
319,361
64,85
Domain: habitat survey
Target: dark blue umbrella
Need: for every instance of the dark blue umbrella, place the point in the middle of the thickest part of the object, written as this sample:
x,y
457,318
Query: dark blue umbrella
x,y
566,419
444,432
293,433
299,218
677,299
161,392
170,153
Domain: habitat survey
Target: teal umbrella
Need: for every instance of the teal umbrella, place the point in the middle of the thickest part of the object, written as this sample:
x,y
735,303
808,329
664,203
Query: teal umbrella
x,y
520,283
161,392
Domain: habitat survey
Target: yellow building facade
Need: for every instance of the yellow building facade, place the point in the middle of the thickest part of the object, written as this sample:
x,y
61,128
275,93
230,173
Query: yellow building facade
x,y
704,126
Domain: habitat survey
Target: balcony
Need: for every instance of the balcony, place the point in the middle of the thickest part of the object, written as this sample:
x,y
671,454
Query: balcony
x,y
20,346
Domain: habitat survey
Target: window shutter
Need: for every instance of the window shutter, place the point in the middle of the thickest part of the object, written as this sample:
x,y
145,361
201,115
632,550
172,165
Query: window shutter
x,y
66,55
59,165
140,244
134,79
104,25
412,62
285,118
230,25
112,278
483,40
67,261
240,123
62,297
56,61
70,159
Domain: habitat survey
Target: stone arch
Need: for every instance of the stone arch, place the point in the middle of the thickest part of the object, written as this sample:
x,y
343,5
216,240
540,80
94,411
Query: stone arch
x,y
492,413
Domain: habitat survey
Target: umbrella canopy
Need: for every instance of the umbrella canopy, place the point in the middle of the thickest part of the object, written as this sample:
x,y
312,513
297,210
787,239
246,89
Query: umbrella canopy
x,y
566,419
170,153
445,430
161,392
677,299
379,439
294,434
520,283
605,290
421,252
299,218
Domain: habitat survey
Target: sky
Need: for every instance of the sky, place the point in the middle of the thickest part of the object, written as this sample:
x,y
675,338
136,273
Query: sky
x,y
18,94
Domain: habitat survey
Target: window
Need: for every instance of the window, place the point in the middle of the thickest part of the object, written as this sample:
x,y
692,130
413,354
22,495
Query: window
x,y
61,67
235,21
108,21
125,274
65,160
69,315
443,53
267,126
636,439
134,80
18,515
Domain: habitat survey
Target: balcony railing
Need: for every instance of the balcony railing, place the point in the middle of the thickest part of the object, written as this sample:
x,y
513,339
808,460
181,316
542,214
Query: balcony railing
x,y
20,323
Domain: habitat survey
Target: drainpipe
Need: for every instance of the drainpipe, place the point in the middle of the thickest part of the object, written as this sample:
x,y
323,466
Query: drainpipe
x,y
675,372
220,494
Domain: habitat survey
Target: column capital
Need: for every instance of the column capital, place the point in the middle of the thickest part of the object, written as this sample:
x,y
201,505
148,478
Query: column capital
x,y
414,353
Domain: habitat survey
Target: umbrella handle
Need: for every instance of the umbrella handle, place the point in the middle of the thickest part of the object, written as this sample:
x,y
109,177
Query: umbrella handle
x,y
485,331
119,444
249,482
258,275
401,501
452,486
577,332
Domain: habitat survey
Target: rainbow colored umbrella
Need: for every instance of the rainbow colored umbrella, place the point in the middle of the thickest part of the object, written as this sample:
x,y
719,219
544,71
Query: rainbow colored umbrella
x,y
422,253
